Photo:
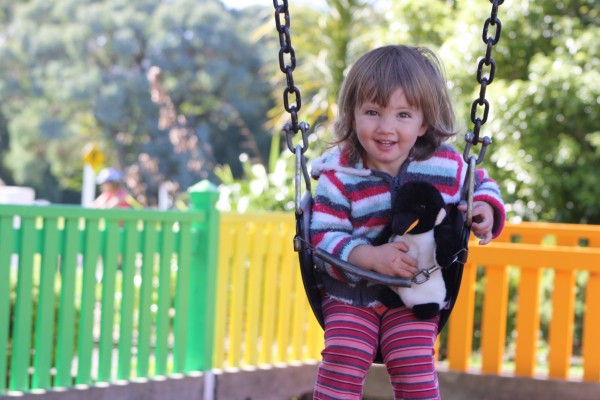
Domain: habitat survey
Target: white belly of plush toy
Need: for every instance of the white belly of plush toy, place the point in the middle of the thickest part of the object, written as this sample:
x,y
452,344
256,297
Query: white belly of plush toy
x,y
422,248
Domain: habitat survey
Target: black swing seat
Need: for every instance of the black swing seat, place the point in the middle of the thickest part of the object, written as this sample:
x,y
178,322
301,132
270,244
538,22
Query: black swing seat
x,y
311,258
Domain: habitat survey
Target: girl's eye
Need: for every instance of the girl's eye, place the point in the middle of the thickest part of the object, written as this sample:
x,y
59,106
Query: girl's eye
x,y
371,112
403,115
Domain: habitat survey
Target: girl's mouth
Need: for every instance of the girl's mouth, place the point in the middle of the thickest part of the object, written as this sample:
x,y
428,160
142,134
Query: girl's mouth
x,y
385,143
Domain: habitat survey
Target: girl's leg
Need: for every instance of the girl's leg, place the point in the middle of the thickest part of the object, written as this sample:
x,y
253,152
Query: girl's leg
x,y
351,339
407,346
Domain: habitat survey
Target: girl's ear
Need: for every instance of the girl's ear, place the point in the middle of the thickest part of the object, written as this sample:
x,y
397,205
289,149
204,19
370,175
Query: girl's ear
x,y
423,130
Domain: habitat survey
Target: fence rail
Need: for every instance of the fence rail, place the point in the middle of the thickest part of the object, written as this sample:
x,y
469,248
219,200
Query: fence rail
x,y
90,296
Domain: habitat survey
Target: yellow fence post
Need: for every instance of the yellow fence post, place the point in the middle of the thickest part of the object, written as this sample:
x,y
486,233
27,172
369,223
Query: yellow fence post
x,y
591,330
237,293
256,232
493,332
561,325
460,326
528,321
223,280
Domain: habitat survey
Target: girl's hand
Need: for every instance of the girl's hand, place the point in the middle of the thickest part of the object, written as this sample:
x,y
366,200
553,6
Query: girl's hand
x,y
483,220
388,259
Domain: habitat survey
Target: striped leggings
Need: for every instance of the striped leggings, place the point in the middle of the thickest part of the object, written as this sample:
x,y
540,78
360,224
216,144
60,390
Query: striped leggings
x,y
352,335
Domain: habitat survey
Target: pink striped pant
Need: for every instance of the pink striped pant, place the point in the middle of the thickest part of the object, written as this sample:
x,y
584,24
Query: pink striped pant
x,y
352,336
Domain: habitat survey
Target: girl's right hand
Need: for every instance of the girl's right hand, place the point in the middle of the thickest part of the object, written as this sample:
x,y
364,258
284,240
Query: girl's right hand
x,y
388,259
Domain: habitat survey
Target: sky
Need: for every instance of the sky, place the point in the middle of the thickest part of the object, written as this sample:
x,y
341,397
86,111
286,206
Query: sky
x,y
245,3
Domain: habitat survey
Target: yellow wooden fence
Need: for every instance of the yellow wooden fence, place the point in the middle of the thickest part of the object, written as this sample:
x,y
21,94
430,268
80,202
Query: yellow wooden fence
x,y
263,317
540,247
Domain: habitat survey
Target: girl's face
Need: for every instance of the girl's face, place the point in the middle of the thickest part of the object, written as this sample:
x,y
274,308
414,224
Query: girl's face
x,y
109,187
387,134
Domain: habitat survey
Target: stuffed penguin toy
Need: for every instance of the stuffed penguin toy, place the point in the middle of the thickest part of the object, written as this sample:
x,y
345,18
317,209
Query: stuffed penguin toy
x,y
419,220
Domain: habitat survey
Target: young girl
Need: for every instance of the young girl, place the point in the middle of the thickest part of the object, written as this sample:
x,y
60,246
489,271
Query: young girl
x,y
395,116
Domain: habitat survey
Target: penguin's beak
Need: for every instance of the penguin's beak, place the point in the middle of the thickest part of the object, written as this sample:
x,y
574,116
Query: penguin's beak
x,y
404,222
412,225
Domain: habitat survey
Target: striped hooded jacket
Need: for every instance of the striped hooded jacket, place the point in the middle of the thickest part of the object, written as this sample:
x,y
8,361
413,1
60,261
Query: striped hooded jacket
x,y
352,206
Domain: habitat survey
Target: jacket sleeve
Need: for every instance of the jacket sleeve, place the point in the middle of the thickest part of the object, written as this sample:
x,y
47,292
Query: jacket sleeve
x,y
447,170
331,227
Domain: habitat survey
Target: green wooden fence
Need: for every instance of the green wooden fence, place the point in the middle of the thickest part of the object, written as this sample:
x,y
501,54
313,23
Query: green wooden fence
x,y
90,296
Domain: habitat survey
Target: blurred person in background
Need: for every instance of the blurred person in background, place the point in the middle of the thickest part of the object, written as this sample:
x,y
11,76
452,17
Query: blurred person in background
x,y
113,193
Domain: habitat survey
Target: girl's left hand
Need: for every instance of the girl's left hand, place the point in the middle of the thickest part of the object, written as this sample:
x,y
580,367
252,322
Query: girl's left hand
x,y
483,220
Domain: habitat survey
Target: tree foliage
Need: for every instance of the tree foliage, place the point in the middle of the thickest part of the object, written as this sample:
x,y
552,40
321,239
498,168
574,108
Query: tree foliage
x,y
547,120
80,71
545,98
76,72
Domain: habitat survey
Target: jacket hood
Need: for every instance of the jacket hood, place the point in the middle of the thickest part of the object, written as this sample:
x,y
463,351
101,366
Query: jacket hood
x,y
337,160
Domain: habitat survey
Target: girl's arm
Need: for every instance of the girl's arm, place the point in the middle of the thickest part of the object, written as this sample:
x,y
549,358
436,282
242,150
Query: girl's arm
x,y
331,226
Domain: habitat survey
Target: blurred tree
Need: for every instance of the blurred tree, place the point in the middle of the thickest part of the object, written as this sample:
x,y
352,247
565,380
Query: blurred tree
x,y
548,125
325,41
544,99
546,85
212,74
76,72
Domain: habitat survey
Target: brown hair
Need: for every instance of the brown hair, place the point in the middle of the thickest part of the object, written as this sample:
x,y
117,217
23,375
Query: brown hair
x,y
377,74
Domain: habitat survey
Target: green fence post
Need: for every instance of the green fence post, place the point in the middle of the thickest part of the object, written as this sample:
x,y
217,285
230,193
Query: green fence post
x,y
203,278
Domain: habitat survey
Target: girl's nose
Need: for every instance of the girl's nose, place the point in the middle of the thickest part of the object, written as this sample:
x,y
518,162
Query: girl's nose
x,y
386,124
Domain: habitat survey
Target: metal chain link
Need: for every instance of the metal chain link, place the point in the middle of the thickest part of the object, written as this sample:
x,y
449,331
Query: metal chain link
x,y
479,117
292,100
287,64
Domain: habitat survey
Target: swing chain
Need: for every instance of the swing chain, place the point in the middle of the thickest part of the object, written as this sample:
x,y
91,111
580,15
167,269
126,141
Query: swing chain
x,y
287,64
472,138
490,39
286,51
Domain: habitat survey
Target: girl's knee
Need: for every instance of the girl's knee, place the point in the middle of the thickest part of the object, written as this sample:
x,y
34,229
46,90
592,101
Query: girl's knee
x,y
357,357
